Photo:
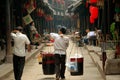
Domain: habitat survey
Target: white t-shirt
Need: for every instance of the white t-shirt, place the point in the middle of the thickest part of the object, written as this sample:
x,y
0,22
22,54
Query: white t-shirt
x,y
91,33
20,40
60,44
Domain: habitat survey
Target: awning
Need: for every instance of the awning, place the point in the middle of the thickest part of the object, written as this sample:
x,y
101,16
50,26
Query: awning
x,y
78,7
49,6
73,6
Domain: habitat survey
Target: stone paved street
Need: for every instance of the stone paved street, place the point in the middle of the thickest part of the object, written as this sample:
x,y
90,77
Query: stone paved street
x,y
33,70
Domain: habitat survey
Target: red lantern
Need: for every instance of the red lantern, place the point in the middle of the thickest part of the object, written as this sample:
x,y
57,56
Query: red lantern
x,y
92,20
47,18
91,9
40,12
94,11
96,14
51,18
93,1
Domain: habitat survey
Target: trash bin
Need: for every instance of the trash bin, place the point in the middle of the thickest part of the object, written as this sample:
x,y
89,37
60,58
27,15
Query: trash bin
x,y
48,63
79,65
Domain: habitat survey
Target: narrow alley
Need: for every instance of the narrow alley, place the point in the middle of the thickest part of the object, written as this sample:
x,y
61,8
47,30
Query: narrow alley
x,y
34,71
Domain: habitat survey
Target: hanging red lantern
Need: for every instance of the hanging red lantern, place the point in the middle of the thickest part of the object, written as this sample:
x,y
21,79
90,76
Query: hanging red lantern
x,y
93,1
94,11
40,12
92,20
91,9
51,18
47,17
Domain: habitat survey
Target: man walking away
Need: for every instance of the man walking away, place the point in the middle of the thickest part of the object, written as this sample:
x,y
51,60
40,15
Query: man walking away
x,y
20,41
61,43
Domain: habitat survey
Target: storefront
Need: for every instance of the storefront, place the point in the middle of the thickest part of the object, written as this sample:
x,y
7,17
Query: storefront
x,y
19,13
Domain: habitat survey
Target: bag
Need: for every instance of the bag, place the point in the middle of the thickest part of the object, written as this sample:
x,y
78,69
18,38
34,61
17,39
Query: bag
x,y
72,66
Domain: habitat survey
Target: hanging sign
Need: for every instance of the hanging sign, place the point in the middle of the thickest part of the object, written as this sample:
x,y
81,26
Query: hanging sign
x,y
27,19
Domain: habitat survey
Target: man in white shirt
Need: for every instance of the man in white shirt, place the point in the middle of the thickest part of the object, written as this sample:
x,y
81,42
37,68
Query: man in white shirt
x,y
20,41
61,43
91,35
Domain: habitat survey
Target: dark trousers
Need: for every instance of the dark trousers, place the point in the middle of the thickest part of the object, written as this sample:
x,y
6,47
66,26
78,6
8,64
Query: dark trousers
x,y
92,40
18,66
60,65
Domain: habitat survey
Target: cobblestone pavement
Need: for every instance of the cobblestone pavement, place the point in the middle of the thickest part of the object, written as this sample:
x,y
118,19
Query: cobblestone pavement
x,y
33,70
